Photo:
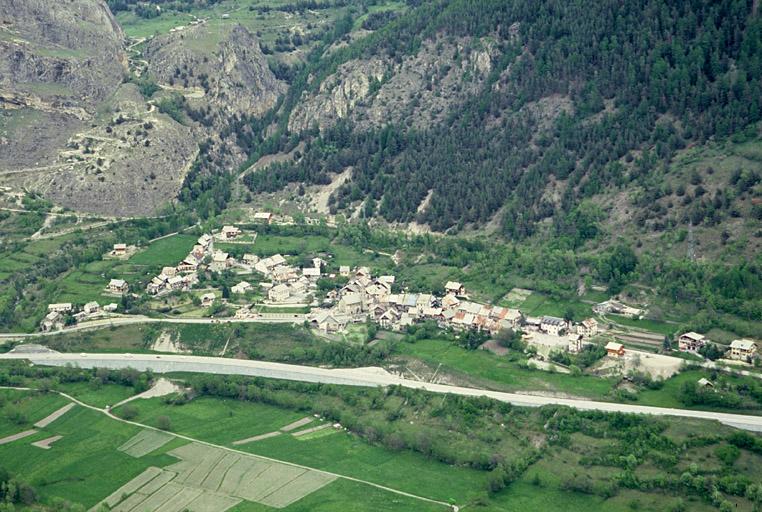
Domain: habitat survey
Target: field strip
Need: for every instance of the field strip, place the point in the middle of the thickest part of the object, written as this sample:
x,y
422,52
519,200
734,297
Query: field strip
x,y
45,443
53,417
156,484
130,487
180,501
311,430
212,502
214,479
235,474
301,486
263,458
15,437
268,482
132,502
203,469
298,423
144,442
159,498
257,438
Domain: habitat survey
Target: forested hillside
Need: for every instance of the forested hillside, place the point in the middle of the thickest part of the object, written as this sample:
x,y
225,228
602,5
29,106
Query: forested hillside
x,y
583,100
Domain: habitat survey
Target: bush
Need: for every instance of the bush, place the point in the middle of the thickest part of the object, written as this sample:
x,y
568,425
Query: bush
x,y
128,412
164,423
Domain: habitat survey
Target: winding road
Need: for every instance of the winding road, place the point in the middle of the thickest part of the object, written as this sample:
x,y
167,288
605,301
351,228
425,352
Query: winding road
x,y
351,377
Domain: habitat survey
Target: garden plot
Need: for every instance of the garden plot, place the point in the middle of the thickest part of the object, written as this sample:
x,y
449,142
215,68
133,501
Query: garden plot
x,y
245,476
16,437
517,295
45,443
144,442
298,423
212,479
53,417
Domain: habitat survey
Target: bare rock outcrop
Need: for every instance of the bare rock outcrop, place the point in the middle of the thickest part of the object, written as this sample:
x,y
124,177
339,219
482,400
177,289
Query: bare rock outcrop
x,y
422,88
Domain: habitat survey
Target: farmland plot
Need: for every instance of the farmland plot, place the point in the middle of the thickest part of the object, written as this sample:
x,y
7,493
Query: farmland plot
x,y
144,442
211,479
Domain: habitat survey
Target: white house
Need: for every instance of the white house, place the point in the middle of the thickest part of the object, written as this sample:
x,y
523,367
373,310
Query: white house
x,y
241,288
279,293
207,299
691,341
220,261
455,288
743,349
118,286
588,327
91,307
62,307
351,303
553,325
230,232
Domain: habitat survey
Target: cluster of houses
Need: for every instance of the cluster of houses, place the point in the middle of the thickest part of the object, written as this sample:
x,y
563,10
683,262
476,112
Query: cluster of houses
x,y
365,297
742,349
183,276
59,313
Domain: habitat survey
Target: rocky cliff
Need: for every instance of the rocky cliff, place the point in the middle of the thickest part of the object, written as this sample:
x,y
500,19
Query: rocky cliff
x,y
59,53
421,89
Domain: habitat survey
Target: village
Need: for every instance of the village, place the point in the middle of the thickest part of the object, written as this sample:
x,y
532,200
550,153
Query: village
x,y
355,296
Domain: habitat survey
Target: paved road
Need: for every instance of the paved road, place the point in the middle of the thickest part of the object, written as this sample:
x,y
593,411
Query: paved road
x,y
352,377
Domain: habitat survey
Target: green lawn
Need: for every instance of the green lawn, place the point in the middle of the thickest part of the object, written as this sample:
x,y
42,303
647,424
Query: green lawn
x,y
33,407
167,251
214,420
348,455
100,396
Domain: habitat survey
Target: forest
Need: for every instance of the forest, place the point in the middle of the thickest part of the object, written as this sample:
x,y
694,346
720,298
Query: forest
x,y
646,78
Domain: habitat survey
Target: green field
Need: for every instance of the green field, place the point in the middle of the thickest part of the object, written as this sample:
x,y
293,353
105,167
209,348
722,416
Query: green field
x,y
348,455
216,421
500,373
83,466
167,251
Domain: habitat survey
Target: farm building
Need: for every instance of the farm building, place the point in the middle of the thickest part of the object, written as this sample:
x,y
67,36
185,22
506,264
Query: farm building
x,y
263,217
691,341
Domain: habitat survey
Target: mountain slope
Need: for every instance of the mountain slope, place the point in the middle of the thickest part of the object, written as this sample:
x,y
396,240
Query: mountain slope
x,y
540,107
